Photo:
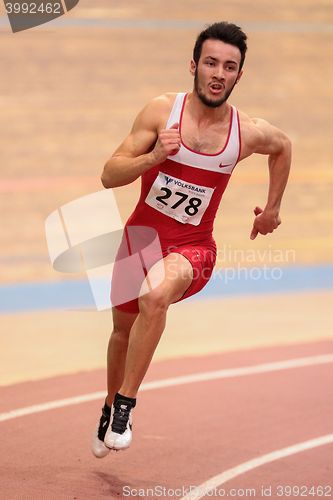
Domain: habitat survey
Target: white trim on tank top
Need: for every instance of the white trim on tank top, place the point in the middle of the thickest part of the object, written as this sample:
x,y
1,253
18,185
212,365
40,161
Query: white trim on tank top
x,y
223,162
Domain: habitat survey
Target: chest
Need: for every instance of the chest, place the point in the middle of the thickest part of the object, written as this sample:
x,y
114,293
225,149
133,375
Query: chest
x,y
204,139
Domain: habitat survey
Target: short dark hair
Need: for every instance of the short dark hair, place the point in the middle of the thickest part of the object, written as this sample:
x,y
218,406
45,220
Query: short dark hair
x,y
227,33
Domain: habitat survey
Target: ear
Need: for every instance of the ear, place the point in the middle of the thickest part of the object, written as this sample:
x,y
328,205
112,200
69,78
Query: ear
x,y
192,67
239,76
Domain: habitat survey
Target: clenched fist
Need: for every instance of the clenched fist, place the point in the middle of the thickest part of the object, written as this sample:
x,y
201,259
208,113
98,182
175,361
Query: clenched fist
x,y
264,222
168,143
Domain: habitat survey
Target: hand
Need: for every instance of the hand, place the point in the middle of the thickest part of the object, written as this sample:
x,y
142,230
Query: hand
x,y
264,222
168,143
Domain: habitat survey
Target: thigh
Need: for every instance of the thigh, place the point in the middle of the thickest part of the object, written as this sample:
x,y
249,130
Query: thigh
x,y
203,262
169,278
139,250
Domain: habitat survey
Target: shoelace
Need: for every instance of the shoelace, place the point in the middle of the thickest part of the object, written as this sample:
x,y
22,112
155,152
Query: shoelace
x,y
120,416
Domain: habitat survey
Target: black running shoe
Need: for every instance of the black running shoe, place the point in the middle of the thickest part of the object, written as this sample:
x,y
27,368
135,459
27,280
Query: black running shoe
x,y
119,433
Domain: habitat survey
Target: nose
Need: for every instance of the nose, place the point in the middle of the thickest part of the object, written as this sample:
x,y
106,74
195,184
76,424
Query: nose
x,y
219,72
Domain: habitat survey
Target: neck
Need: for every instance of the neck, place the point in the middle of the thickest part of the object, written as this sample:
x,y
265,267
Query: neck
x,y
204,114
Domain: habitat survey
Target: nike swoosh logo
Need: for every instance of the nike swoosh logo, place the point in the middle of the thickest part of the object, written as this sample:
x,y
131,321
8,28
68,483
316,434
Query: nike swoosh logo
x,y
224,166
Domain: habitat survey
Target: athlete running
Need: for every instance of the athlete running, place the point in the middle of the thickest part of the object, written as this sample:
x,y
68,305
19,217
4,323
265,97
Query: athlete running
x,y
184,147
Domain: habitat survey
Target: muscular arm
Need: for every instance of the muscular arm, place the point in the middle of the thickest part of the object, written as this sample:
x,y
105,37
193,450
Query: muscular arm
x,y
271,141
132,157
143,148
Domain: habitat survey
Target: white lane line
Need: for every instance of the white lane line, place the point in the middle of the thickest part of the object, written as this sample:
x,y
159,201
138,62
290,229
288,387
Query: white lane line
x,y
215,482
170,382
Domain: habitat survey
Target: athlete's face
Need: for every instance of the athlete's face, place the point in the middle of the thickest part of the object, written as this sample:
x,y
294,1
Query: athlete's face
x,y
216,73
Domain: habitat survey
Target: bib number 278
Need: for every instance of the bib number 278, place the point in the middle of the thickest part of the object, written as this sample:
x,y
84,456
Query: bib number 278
x,y
191,207
181,200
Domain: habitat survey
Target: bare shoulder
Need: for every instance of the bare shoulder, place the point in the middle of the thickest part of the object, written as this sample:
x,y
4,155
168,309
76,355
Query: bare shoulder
x,y
146,127
156,112
163,101
251,128
260,136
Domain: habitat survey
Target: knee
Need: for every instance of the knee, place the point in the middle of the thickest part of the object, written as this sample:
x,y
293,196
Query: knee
x,y
120,335
154,303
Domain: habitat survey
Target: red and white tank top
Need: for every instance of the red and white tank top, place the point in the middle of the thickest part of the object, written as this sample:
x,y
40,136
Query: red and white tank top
x,y
180,197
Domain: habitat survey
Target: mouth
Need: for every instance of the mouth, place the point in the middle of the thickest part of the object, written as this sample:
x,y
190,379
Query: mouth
x,y
216,88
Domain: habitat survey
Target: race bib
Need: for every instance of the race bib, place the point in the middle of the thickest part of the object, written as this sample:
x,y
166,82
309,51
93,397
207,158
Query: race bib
x,y
178,199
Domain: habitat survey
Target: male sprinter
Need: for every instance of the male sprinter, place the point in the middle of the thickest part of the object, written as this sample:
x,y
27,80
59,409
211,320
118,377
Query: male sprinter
x,y
184,147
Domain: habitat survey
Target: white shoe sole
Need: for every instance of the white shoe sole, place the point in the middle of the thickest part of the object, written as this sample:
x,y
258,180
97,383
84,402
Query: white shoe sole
x,y
98,448
115,441
100,451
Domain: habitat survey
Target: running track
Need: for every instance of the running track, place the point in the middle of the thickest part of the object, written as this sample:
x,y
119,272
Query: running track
x,y
185,433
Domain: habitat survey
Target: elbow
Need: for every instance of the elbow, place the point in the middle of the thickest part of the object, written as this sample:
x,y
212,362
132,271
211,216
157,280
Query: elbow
x,y
287,145
284,150
106,179
106,183
288,151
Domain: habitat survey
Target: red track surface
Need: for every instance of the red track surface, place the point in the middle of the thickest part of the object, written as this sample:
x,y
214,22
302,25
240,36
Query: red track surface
x,y
183,435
